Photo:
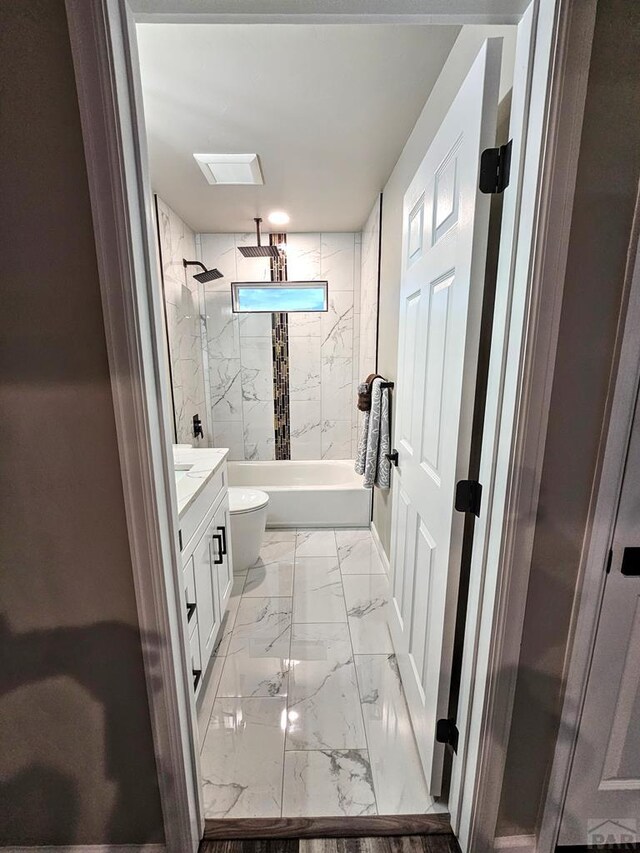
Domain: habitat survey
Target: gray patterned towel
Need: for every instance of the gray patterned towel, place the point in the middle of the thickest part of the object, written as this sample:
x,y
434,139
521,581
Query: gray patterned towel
x,y
375,440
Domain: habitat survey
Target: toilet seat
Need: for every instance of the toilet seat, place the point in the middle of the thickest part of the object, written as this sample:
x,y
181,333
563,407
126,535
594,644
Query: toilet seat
x,y
243,500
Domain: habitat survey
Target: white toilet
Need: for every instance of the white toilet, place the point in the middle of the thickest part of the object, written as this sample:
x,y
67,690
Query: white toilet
x,y
248,509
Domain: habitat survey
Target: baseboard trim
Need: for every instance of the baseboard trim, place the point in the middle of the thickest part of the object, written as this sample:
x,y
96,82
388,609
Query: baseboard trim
x,y
89,848
515,843
327,827
381,552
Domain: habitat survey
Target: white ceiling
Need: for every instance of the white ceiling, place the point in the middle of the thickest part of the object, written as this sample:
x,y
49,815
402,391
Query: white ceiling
x,y
327,108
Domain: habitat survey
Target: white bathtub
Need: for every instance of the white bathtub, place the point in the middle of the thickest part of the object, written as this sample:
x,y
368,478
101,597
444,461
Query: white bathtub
x,y
327,493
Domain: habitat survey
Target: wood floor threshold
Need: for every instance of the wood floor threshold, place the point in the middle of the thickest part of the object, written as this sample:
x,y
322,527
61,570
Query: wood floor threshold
x,y
327,827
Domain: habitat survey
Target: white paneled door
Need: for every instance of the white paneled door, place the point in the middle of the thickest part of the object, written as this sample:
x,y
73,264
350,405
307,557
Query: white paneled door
x,y
444,254
603,798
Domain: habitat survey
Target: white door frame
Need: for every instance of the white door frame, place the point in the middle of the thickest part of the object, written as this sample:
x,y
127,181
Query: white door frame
x,y
105,60
621,407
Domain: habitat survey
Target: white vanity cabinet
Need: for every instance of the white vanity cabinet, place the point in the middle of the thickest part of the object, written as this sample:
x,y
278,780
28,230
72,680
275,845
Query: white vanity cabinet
x,y
207,568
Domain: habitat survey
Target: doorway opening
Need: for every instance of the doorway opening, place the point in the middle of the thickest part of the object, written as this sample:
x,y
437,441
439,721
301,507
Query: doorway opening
x,y
194,561
301,690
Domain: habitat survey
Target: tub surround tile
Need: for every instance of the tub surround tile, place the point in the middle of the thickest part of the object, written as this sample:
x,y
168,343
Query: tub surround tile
x,y
229,434
324,707
223,335
367,598
328,782
256,667
305,325
304,369
257,369
397,772
316,543
254,325
337,326
270,579
303,257
306,434
317,591
242,758
337,260
225,379
336,439
338,401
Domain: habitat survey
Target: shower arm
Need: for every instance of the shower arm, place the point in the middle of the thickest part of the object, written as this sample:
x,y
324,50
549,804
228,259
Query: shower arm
x,y
186,264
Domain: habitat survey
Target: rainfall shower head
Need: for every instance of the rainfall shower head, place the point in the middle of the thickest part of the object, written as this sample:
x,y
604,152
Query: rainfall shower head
x,y
202,277
259,251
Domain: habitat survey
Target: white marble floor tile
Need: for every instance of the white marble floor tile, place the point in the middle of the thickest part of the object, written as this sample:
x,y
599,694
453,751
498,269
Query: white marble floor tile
x,y
242,758
316,543
395,763
275,550
277,534
359,557
317,590
256,667
207,695
324,704
366,597
327,782
349,535
263,618
270,579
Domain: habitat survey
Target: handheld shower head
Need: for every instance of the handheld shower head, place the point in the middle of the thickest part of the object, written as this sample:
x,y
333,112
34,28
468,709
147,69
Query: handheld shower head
x,y
202,277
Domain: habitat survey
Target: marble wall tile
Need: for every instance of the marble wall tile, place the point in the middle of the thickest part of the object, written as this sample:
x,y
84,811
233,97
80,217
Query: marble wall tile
x,y
254,325
303,257
229,434
369,291
304,368
306,437
305,325
337,326
251,269
223,334
258,435
184,326
337,261
257,369
338,402
225,377
336,439
219,251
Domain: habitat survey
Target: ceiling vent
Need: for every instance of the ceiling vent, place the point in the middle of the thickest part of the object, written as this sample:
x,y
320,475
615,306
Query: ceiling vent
x,y
230,168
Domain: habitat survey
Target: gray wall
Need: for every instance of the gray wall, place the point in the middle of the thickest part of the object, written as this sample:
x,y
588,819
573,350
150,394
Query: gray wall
x,y
607,182
459,61
76,756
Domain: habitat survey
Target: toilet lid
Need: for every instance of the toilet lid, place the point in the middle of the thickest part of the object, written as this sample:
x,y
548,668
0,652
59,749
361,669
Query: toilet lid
x,y
246,500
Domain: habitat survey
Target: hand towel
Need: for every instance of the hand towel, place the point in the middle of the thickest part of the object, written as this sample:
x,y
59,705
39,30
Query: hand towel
x,y
375,440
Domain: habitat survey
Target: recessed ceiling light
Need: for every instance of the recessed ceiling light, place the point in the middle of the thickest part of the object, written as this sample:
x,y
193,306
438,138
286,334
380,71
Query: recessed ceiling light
x,y
278,217
230,168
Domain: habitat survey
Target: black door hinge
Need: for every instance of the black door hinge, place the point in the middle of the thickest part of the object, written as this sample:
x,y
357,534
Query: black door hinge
x,y
447,732
495,166
468,496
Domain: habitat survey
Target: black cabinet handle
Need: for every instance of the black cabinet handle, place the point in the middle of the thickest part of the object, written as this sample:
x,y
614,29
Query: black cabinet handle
x,y
191,609
197,674
216,561
393,457
223,532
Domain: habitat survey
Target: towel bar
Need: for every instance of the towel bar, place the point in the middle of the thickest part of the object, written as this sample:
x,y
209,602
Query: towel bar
x,y
387,384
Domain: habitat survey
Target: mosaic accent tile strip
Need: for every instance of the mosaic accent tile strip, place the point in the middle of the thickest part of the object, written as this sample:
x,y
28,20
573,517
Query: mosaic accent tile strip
x,y
280,349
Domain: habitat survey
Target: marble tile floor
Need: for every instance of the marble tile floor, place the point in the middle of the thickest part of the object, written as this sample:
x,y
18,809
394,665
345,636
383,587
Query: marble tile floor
x,y
303,713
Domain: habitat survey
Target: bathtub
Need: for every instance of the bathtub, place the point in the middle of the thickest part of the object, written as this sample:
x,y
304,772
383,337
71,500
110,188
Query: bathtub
x,y
327,493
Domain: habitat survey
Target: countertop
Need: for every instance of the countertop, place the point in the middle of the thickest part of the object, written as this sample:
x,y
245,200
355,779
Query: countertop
x,y
204,462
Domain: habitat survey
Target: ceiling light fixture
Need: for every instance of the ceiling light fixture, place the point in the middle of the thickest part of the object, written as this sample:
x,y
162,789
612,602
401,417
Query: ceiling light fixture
x,y
278,217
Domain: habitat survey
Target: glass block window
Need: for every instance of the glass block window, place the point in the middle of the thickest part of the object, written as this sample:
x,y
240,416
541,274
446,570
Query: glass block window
x,y
286,297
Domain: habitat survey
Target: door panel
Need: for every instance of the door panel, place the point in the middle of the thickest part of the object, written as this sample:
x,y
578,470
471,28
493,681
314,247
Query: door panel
x,y
604,784
444,255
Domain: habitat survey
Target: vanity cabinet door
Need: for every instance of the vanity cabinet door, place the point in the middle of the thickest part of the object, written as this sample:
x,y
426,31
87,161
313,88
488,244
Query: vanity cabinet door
x,y
222,547
207,595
